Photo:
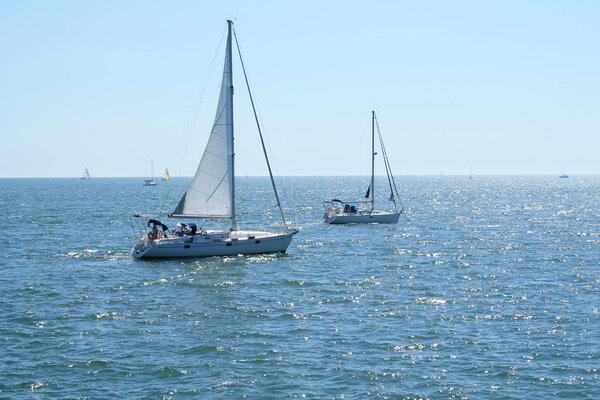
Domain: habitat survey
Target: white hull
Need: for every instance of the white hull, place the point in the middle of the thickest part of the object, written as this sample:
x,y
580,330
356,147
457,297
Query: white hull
x,y
214,243
375,217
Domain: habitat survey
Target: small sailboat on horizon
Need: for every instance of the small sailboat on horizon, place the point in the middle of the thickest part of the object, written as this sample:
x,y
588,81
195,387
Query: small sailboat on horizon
x,y
86,174
339,212
211,194
166,176
563,175
151,181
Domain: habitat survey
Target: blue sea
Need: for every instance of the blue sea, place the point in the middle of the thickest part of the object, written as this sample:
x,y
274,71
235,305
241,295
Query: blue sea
x,y
489,288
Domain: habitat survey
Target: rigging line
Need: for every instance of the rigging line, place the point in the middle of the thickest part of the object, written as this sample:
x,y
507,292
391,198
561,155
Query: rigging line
x,y
391,179
262,141
388,166
191,122
388,173
258,116
388,169
274,158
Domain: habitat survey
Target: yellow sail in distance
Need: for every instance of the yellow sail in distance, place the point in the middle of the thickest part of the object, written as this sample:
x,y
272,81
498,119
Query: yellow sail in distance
x,y
166,176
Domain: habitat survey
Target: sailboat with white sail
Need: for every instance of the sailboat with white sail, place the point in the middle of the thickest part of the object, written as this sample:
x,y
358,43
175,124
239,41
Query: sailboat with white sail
x,y
151,181
166,176
363,211
563,175
86,174
211,194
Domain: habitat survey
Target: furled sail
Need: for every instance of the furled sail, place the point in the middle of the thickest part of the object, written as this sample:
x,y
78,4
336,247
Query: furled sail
x,y
210,194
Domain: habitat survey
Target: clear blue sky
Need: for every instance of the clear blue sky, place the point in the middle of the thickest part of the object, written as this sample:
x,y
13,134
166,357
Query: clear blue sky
x,y
504,87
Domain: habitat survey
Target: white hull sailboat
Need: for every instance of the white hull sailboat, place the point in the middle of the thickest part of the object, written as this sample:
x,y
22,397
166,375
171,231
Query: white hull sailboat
x,y
362,217
151,181
211,195
363,211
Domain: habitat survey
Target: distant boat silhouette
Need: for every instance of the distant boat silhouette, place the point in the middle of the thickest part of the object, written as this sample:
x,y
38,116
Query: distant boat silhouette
x,y
151,181
563,175
166,176
86,174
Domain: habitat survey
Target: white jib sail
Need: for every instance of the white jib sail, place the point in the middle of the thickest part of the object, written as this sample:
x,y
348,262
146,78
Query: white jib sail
x,y
210,192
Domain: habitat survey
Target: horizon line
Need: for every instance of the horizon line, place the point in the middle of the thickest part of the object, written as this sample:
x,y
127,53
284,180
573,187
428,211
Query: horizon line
x,y
304,176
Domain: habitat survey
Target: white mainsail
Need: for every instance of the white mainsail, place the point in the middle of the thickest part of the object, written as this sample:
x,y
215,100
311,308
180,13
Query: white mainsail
x,y
210,194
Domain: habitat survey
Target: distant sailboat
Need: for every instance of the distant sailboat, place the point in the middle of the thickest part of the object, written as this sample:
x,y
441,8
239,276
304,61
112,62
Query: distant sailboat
x,y
563,175
166,176
151,181
211,195
339,212
470,173
86,174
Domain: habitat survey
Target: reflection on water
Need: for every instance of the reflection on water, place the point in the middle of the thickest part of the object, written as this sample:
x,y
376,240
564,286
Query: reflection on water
x,y
487,289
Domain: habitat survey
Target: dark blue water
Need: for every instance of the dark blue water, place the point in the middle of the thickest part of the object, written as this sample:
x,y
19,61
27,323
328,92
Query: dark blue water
x,y
489,291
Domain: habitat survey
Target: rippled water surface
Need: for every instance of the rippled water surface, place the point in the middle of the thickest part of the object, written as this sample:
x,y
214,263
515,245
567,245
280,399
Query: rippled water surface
x,y
490,290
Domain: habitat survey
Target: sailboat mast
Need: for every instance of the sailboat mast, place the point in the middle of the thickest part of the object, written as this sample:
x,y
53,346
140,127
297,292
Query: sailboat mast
x,y
373,160
229,110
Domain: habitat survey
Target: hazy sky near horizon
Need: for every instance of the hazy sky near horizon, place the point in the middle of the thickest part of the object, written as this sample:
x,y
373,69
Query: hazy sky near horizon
x,y
505,87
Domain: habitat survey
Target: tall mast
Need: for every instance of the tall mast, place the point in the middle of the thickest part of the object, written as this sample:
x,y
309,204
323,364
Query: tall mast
x,y
230,111
373,161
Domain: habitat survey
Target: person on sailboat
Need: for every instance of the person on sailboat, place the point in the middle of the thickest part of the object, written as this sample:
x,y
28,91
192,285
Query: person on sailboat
x,y
155,232
179,229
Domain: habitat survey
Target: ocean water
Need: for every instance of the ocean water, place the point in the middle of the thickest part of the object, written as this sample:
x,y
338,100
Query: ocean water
x,y
488,289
